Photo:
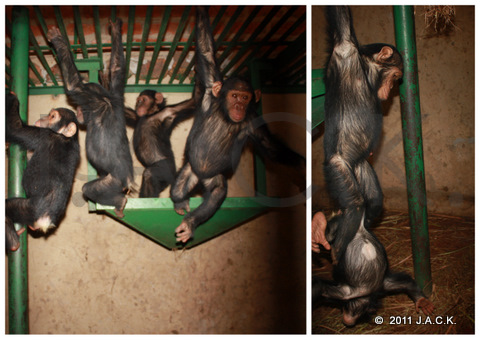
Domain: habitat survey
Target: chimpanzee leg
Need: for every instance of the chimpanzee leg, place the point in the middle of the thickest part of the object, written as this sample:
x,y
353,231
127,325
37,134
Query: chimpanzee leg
x,y
215,193
403,283
371,190
17,210
157,177
337,291
186,181
107,190
345,190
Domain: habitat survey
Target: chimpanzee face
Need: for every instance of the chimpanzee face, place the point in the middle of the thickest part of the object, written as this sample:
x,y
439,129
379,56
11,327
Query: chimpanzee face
x,y
49,121
237,102
59,120
236,96
148,102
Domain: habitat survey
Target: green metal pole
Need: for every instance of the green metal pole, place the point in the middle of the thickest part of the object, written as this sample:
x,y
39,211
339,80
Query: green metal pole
x,y
413,148
17,261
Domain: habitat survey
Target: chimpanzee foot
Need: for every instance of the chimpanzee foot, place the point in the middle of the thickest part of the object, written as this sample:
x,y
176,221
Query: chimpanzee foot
x,y
183,232
181,207
119,211
426,306
12,240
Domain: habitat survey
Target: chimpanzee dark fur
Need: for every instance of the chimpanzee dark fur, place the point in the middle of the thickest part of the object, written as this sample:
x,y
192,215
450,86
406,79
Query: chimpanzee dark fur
x,y
217,138
151,140
357,79
102,111
48,177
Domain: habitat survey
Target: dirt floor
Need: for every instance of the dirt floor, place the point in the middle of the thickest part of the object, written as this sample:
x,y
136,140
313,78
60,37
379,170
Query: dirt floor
x,y
453,272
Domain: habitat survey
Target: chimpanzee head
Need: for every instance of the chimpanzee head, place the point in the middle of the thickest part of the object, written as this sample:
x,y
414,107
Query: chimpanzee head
x,y
389,65
237,96
60,120
149,102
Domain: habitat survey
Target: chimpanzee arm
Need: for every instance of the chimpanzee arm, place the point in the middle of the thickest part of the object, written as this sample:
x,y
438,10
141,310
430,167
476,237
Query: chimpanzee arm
x,y
271,147
117,60
130,116
207,69
183,110
71,77
29,137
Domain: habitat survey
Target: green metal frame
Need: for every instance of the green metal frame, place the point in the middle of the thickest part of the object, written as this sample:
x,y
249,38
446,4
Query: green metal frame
x,y
287,53
318,97
412,142
18,260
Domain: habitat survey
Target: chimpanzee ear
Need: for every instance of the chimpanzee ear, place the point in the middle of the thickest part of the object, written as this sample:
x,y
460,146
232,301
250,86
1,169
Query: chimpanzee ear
x,y
385,53
70,130
216,87
158,98
258,95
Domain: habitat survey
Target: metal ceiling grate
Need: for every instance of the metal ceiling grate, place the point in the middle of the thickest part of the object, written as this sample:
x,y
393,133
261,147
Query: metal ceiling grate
x,y
159,44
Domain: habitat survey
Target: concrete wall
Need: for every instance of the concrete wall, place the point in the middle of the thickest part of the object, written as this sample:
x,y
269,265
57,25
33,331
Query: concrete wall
x,y
446,75
94,275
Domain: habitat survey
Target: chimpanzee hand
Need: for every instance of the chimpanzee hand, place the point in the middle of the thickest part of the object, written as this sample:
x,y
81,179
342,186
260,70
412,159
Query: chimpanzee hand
x,y
116,26
426,306
53,33
319,225
183,232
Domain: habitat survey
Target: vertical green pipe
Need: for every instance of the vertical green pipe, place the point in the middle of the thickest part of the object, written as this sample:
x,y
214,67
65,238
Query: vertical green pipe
x,y
413,148
17,261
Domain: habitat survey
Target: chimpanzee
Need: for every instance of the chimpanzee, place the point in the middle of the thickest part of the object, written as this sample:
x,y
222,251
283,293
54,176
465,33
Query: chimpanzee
x,y
103,113
154,121
223,123
362,274
49,174
357,79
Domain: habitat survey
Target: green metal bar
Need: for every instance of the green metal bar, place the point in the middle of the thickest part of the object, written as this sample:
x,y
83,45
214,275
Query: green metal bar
x,y
228,26
318,97
217,19
240,54
284,37
40,19
113,13
131,24
158,44
79,30
294,49
8,54
98,33
146,30
41,57
137,88
182,56
266,38
61,26
413,148
237,36
176,39
18,260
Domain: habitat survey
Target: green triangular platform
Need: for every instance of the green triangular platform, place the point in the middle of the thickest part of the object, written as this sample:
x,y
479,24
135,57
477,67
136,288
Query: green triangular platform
x,y
157,219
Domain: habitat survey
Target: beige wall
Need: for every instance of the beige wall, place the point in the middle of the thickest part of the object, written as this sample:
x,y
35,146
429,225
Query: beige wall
x,y
446,75
94,275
